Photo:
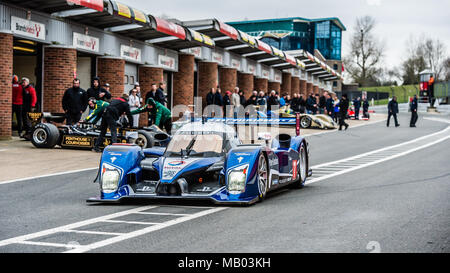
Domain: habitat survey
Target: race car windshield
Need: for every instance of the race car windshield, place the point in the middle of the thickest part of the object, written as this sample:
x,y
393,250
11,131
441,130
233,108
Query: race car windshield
x,y
195,145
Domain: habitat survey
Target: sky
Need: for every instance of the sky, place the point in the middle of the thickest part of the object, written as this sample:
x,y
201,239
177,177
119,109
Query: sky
x,y
397,20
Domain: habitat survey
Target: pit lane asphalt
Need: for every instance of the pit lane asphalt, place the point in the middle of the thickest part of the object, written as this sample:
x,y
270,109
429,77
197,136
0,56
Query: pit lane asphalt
x,y
401,204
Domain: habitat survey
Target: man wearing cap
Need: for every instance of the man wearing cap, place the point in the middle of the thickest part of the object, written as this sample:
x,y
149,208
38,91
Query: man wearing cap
x,y
97,107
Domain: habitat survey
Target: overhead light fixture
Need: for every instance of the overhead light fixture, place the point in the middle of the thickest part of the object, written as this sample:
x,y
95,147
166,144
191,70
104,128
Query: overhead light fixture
x,y
25,49
26,42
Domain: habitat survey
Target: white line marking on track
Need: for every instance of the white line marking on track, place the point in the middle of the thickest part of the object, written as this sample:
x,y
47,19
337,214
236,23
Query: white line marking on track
x,y
399,153
118,237
46,175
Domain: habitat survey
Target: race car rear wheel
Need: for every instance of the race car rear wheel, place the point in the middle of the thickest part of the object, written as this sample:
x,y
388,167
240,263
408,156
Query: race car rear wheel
x,y
144,139
45,135
302,167
263,177
305,122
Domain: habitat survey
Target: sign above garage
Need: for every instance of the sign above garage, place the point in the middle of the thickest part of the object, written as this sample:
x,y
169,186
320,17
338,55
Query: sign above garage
x,y
86,42
28,28
130,53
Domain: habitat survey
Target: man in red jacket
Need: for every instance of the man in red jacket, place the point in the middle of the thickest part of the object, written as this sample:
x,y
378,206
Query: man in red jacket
x,y
29,102
17,102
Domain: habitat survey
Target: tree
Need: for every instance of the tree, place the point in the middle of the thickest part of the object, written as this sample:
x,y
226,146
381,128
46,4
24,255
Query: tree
x,y
414,63
423,53
435,55
366,53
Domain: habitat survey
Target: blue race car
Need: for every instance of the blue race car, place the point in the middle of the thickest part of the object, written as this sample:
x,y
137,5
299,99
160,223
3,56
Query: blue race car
x,y
203,160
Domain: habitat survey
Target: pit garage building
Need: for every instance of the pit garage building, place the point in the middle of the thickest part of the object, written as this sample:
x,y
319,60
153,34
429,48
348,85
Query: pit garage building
x,y
53,41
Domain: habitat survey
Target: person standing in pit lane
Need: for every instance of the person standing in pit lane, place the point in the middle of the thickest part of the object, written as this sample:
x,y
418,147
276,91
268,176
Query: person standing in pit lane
x,y
414,116
17,102
343,108
29,103
393,111
111,115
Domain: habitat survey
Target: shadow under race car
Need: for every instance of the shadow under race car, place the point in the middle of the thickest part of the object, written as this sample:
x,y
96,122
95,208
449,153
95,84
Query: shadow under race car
x,y
203,161
48,132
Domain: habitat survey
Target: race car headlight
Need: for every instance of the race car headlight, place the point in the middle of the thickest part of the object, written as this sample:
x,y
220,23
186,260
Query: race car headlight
x,y
110,180
237,179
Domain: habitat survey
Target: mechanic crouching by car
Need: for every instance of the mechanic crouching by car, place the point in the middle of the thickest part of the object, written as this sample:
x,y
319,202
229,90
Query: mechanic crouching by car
x,y
161,115
97,107
111,115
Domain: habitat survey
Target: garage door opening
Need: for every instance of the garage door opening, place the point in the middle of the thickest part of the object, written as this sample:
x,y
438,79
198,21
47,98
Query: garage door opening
x,y
27,63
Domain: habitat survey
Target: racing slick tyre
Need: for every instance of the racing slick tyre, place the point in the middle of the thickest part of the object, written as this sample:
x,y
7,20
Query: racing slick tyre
x,y
305,122
302,168
45,135
144,139
263,176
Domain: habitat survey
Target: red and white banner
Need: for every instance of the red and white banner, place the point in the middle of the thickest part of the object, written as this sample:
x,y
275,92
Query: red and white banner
x,y
92,4
170,28
228,30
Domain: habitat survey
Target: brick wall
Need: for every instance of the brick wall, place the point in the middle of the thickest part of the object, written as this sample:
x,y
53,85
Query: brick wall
x,y
147,76
261,84
60,64
303,88
6,70
286,83
316,89
274,86
183,81
309,88
227,79
112,71
207,79
246,83
295,86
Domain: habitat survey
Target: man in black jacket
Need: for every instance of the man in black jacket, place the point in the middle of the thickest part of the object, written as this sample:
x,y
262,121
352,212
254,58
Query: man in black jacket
x,y
156,94
273,101
414,115
329,107
357,105
98,92
74,102
343,108
392,111
311,104
116,108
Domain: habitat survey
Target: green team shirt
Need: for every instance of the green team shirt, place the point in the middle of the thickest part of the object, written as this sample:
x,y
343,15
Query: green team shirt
x,y
160,112
100,106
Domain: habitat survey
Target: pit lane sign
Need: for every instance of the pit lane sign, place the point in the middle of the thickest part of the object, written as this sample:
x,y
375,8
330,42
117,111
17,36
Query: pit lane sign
x,y
86,42
166,62
28,28
130,53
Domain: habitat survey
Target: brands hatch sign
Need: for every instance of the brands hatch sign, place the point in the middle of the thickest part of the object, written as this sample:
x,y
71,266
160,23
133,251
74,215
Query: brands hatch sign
x,y
166,62
130,53
86,42
28,28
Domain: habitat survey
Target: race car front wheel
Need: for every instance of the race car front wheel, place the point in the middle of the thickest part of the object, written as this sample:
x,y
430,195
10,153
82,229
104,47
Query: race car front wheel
x,y
305,122
144,139
45,135
301,168
263,176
